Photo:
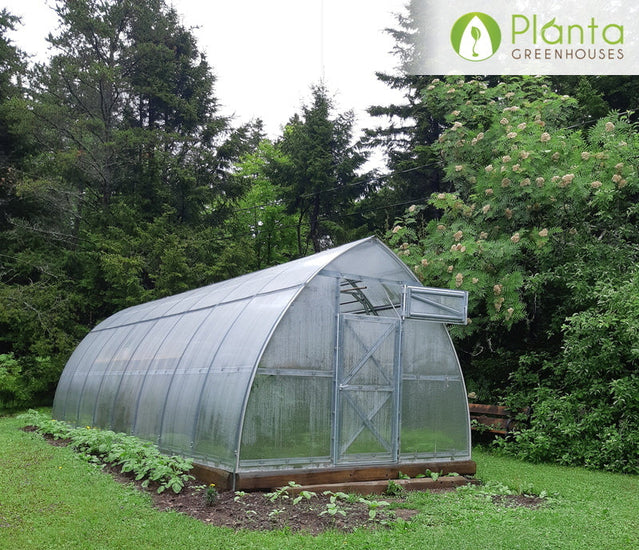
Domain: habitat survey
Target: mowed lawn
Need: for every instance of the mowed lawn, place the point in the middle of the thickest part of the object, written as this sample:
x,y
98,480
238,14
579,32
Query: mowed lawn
x,y
50,499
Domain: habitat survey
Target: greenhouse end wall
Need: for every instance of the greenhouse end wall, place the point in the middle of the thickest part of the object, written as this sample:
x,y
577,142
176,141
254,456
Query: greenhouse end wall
x,y
307,407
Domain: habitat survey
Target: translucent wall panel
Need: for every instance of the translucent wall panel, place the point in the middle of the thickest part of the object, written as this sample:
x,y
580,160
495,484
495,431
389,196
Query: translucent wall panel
x,y
305,337
374,260
164,370
232,369
67,396
94,372
434,422
288,419
110,377
151,354
185,395
289,409
428,350
434,413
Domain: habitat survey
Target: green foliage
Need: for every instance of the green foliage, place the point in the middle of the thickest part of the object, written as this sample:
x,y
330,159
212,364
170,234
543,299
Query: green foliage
x,y
263,232
394,489
586,410
211,494
541,225
333,507
24,381
132,455
317,172
281,492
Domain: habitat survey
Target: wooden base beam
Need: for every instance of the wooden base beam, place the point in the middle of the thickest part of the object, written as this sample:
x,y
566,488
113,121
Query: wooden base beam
x,y
264,480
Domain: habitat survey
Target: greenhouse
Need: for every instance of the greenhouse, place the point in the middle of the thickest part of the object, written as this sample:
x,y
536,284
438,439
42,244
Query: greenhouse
x,y
338,362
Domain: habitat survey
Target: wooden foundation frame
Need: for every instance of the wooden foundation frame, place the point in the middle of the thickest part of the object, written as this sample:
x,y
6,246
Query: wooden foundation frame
x,y
257,481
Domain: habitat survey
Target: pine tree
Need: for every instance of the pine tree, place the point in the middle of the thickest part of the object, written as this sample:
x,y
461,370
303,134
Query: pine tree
x,y
319,176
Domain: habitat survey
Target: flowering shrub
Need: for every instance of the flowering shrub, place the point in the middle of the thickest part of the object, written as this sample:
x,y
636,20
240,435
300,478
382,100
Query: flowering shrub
x,y
541,213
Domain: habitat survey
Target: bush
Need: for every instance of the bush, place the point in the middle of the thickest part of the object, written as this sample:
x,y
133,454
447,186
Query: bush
x,y
587,411
26,382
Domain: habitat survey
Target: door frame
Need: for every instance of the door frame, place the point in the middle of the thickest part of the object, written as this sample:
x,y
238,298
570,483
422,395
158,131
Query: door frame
x,y
342,389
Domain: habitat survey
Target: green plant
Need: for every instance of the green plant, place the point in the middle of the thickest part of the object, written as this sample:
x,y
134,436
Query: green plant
x,y
276,512
238,495
433,475
373,506
25,381
401,475
211,494
332,506
281,492
393,489
308,495
140,458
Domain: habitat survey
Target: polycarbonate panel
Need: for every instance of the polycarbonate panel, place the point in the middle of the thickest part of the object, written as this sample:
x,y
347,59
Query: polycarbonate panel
x,y
288,417
185,392
162,372
65,403
371,296
130,315
142,334
232,369
90,376
434,418
436,304
217,424
150,354
305,337
373,260
428,350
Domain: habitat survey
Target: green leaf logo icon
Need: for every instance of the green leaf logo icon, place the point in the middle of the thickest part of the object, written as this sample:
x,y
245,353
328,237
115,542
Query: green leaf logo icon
x,y
475,36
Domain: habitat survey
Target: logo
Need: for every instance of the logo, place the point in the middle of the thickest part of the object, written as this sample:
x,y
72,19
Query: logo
x,y
475,36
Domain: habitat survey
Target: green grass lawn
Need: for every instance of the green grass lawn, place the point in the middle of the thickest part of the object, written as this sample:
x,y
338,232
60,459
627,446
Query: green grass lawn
x,y
50,498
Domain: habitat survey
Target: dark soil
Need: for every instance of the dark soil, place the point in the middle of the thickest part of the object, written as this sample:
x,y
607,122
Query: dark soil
x,y
255,511
516,501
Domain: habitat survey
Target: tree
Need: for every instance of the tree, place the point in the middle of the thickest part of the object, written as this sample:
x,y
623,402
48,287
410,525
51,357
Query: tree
x,y
125,177
319,172
262,231
127,111
132,98
407,130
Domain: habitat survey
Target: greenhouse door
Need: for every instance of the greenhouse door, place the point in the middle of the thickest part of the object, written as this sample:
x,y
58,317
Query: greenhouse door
x,y
366,390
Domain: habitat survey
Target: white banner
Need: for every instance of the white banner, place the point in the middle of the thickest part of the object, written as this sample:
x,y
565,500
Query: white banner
x,y
526,37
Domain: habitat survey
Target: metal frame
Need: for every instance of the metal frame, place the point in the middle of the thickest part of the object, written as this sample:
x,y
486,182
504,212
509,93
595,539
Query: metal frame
x,y
343,386
425,295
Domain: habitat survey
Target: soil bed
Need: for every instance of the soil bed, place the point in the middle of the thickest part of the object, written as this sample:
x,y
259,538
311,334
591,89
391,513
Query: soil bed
x,y
256,512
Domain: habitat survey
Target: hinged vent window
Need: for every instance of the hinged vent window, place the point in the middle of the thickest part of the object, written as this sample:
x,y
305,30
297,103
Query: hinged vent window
x,y
436,304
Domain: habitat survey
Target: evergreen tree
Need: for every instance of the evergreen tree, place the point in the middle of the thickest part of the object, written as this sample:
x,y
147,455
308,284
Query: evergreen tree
x,y
319,174
408,129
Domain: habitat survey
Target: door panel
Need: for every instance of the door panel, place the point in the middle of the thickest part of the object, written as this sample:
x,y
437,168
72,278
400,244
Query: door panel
x,y
367,389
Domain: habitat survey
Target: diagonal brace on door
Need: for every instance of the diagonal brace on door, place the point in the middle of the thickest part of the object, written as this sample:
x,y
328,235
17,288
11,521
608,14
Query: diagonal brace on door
x,y
369,355
366,423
